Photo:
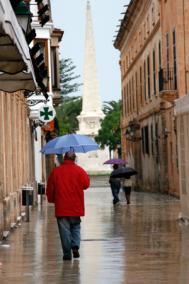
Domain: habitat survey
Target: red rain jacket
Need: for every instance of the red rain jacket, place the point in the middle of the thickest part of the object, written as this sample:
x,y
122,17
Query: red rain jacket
x,y
65,189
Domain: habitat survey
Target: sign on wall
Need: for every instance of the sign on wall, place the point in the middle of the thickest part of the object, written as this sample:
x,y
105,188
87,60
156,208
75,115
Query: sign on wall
x,y
46,113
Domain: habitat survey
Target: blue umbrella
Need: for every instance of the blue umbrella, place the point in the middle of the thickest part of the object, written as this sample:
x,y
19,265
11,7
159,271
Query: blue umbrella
x,y
49,147
76,142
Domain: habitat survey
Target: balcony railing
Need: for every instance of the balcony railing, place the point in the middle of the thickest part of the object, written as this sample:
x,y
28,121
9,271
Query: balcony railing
x,y
167,80
168,85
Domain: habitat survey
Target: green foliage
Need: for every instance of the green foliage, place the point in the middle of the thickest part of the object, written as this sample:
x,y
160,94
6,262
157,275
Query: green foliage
x,y
71,106
67,114
110,133
67,77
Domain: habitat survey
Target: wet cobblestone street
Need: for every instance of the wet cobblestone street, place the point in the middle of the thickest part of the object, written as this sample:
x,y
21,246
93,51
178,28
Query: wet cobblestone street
x,y
140,243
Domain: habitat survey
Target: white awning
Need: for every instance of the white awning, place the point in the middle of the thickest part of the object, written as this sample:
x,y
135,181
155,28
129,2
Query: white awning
x,y
14,50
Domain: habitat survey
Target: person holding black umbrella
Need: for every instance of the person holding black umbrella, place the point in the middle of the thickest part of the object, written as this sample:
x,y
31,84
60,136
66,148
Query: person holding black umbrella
x,y
125,173
115,184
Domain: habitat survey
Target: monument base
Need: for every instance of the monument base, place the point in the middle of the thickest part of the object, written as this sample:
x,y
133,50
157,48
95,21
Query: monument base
x,y
93,161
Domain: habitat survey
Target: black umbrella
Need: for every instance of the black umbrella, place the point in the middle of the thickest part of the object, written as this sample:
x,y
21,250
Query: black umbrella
x,y
125,172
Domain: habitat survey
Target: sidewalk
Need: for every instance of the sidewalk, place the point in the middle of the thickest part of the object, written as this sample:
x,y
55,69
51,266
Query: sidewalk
x,y
142,243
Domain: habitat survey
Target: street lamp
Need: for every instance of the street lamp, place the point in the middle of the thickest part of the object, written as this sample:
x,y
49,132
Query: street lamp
x,y
127,133
23,16
131,131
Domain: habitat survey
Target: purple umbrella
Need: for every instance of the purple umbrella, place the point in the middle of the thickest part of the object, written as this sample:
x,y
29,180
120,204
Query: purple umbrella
x,y
115,162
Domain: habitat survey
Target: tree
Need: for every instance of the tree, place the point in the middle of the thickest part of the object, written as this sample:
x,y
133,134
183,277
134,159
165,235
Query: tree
x,y
67,77
70,106
110,133
67,114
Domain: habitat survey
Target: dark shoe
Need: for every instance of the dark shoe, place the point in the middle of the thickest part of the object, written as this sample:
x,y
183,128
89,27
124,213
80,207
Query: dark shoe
x,y
75,251
67,257
116,202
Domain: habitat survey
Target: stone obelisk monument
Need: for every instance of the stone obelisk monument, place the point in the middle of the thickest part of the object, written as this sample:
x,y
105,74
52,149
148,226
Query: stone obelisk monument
x,y
91,114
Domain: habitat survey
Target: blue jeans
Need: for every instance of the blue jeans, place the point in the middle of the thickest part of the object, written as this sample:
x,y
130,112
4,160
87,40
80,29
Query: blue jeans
x,y
69,230
115,192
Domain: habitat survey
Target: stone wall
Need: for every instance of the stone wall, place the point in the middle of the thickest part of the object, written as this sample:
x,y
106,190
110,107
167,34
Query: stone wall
x,y
16,156
143,53
182,118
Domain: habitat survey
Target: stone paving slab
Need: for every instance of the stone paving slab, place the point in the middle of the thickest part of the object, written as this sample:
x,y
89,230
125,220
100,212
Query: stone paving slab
x,y
140,243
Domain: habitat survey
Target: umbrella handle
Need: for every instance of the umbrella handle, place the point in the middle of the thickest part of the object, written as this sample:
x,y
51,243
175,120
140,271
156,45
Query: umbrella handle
x,y
72,149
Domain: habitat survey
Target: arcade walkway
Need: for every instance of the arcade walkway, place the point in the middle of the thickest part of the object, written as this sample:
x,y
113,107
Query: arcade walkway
x,y
138,244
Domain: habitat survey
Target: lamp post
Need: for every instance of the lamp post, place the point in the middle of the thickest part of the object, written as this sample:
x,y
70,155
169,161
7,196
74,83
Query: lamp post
x,y
131,131
23,15
127,133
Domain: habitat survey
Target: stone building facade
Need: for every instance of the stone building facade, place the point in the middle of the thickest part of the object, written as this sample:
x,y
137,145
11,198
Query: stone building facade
x,y
180,19
16,156
148,44
21,75
16,146
49,38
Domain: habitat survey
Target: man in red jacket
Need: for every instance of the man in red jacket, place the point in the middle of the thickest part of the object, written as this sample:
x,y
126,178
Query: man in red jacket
x,y
65,188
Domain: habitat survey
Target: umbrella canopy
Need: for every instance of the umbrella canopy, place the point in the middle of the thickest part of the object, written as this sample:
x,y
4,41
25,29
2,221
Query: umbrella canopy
x,y
125,172
49,148
76,142
115,162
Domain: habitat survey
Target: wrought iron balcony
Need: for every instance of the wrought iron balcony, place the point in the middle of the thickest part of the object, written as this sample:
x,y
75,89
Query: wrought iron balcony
x,y
168,85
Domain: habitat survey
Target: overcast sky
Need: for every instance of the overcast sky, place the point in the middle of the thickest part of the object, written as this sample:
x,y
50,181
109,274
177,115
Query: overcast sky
x,y
70,16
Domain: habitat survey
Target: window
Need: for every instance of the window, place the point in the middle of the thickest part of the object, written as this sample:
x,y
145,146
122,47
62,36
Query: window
x,y
153,14
141,85
144,31
148,76
136,91
160,69
123,102
133,93
167,50
54,68
123,68
140,38
132,51
136,45
174,60
148,24
130,96
146,137
129,58
128,105
145,80
152,139
127,65
159,51
154,71
157,142
145,140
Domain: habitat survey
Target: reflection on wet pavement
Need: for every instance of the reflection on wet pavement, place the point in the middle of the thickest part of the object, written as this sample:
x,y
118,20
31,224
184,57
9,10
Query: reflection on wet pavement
x,y
141,243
